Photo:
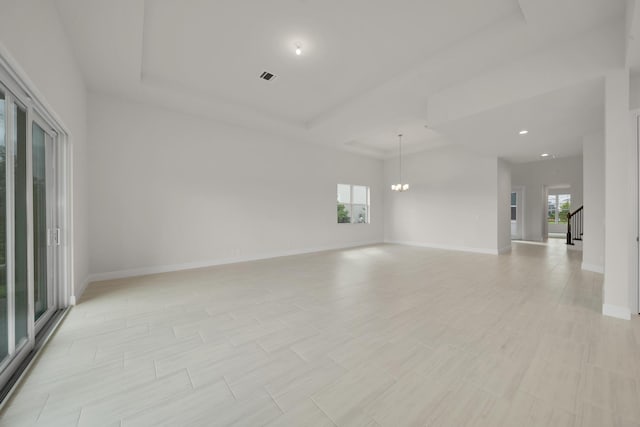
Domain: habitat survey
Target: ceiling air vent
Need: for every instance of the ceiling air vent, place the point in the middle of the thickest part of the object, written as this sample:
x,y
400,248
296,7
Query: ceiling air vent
x,y
267,76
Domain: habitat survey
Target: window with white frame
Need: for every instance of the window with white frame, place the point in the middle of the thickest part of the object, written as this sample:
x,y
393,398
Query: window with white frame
x,y
353,204
514,206
558,208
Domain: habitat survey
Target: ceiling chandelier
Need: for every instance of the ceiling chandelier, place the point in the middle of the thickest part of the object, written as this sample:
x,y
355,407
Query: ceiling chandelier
x,y
401,186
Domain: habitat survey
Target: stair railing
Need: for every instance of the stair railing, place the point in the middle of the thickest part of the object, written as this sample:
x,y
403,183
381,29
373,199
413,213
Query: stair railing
x,y
575,226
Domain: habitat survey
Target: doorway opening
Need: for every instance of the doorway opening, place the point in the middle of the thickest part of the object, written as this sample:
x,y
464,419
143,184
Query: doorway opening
x,y
558,205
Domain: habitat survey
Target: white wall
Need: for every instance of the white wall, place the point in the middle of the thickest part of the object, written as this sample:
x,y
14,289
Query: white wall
x,y
173,191
536,177
619,206
31,33
504,206
593,169
452,202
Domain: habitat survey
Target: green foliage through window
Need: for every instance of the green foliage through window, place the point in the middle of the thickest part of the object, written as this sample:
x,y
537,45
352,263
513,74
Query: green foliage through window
x,y
353,204
558,208
343,214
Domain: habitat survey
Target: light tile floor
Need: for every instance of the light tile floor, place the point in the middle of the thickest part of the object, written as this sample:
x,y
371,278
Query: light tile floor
x,y
383,335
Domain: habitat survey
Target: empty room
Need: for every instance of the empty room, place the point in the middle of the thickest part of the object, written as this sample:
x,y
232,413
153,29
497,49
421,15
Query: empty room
x,y
319,213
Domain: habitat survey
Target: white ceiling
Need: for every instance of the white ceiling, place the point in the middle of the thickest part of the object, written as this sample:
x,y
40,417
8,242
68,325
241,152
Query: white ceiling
x,y
349,47
556,122
472,71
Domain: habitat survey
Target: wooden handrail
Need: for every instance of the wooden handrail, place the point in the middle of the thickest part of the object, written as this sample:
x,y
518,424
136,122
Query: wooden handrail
x,y
575,212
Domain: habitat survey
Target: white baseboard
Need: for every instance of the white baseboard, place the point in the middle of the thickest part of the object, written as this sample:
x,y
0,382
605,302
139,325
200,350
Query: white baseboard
x,y
616,311
446,247
144,271
77,293
593,267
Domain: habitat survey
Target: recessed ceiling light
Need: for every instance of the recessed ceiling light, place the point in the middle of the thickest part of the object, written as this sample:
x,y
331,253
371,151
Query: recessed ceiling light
x,y
523,132
545,155
298,50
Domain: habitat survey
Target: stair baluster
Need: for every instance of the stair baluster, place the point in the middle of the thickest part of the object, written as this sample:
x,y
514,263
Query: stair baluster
x,y
575,226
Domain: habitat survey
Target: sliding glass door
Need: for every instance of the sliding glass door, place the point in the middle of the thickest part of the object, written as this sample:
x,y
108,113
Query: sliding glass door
x,y
20,218
4,302
15,295
29,236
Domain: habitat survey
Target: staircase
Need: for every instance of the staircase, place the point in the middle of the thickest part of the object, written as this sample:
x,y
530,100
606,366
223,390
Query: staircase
x,y
575,227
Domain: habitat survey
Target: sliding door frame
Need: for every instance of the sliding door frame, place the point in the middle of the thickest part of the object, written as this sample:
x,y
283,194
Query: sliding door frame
x,y
20,90
52,267
16,353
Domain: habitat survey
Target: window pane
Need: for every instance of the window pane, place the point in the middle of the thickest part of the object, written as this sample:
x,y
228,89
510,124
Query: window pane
x,y
564,208
360,195
20,218
359,214
514,199
344,216
39,220
551,211
344,193
513,213
4,327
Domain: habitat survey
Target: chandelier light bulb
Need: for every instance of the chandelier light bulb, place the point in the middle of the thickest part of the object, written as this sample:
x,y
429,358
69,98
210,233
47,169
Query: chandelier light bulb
x,y
298,50
405,187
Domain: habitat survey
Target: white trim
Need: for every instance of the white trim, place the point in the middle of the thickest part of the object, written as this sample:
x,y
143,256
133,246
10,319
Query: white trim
x,y
616,311
143,271
593,267
635,290
75,298
445,247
